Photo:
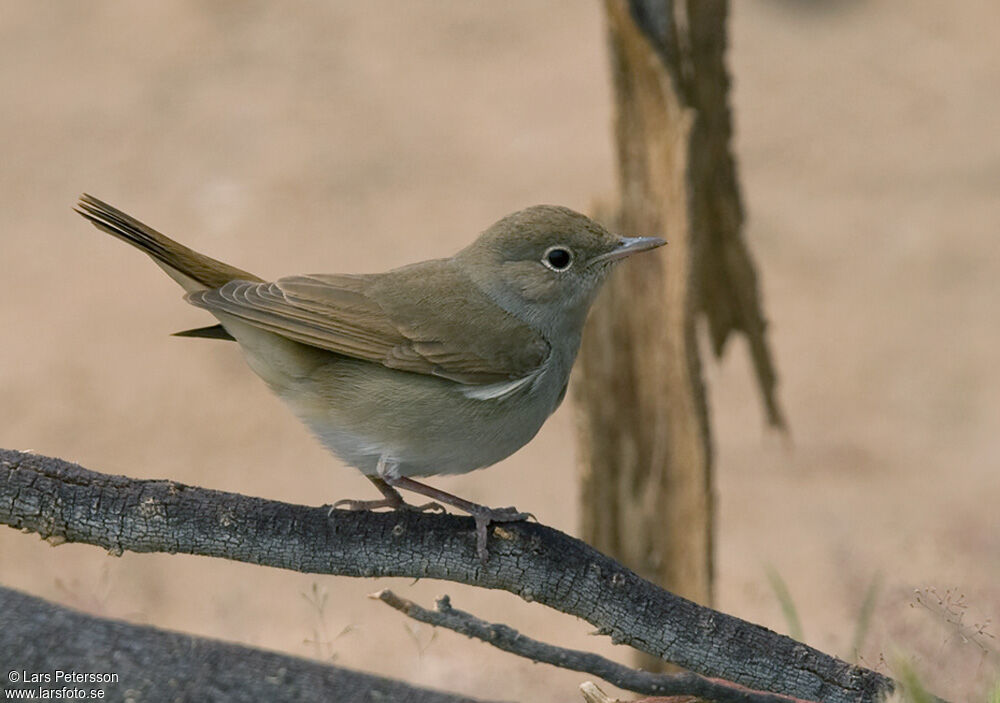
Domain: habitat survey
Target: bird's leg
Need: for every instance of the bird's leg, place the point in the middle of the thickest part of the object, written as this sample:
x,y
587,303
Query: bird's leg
x,y
482,514
392,500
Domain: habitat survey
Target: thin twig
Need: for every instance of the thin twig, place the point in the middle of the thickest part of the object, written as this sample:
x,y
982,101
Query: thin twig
x,y
510,640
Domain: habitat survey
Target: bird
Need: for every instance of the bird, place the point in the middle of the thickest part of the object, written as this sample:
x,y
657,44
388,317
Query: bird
x,y
439,367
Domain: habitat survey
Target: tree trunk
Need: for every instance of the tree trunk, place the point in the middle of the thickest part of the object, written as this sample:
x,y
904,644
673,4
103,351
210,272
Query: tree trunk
x,y
645,441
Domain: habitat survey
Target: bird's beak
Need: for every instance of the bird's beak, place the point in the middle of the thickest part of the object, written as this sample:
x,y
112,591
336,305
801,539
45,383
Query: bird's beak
x,y
628,246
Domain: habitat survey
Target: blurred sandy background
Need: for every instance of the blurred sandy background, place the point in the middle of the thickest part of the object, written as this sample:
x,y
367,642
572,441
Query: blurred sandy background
x,y
344,136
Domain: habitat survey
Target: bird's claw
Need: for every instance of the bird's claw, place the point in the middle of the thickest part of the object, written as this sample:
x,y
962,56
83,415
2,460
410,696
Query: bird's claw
x,y
487,516
350,504
426,507
510,514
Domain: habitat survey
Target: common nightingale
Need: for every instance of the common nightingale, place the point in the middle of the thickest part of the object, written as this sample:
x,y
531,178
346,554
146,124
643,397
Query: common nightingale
x,y
439,367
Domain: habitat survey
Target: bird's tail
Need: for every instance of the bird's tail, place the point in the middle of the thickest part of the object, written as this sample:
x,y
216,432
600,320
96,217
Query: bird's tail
x,y
192,270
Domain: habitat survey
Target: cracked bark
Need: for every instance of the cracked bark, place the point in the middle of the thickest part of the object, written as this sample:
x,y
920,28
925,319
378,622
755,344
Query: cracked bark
x,y
65,502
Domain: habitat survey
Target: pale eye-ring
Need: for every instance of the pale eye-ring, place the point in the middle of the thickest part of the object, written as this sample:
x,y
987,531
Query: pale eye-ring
x,y
558,258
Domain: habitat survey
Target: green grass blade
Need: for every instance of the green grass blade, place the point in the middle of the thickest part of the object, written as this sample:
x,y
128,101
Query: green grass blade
x,y
865,617
784,597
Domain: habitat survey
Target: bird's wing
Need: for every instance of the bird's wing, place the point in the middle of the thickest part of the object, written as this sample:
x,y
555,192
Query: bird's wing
x,y
432,329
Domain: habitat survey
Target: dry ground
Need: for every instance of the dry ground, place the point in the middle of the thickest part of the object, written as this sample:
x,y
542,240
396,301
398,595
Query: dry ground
x,y
358,136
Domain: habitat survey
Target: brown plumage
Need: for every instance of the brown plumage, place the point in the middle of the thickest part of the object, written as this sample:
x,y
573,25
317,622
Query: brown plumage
x,y
443,366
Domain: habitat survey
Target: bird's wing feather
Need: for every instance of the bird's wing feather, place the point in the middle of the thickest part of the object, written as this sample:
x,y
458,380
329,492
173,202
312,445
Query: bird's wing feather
x,y
433,329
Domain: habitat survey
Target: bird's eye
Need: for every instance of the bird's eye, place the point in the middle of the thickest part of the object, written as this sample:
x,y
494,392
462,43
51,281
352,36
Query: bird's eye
x,y
557,258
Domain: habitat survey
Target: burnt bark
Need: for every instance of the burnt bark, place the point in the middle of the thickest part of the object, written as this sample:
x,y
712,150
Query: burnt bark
x,y
510,640
65,502
156,665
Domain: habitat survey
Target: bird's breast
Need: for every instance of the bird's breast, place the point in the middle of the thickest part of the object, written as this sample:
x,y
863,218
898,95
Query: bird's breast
x,y
426,425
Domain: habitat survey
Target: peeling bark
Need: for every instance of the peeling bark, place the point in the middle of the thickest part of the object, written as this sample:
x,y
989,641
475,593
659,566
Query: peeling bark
x,y
644,432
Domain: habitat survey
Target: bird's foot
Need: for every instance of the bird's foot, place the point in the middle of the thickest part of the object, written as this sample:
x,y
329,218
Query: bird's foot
x,y
480,513
426,507
484,517
394,504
